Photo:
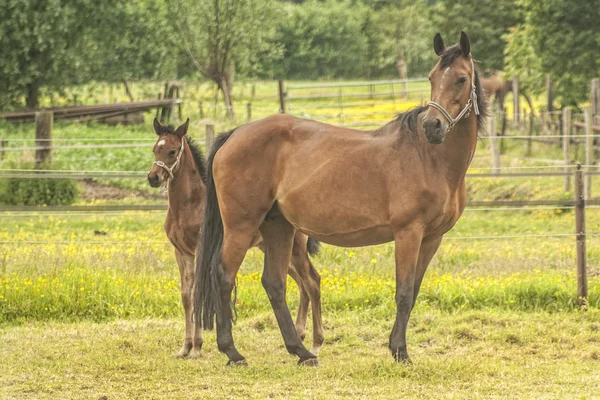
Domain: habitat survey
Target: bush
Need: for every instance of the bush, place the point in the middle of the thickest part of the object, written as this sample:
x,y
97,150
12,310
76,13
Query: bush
x,y
36,192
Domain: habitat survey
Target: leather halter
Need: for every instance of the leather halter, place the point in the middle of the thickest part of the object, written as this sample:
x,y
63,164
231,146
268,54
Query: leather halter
x,y
175,164
466,110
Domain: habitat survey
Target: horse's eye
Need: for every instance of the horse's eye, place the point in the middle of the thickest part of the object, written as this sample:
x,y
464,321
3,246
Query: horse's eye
x,y
172,153
462,79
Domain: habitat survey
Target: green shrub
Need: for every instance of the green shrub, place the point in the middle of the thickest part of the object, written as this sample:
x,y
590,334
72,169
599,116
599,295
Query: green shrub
x,y
36,192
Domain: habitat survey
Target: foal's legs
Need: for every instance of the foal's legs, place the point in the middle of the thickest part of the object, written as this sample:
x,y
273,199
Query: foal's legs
x,y
407,252
278,236
302,315
193,336
311,282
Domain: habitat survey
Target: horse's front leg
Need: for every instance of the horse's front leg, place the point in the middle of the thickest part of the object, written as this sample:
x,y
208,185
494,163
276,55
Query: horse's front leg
x,y
407,249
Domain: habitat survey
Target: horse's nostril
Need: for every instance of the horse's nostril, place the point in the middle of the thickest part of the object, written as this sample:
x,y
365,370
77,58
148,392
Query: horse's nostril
x,y
438,123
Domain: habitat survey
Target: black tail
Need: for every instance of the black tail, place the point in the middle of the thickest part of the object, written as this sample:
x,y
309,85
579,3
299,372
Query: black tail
x,y
207,299
313,246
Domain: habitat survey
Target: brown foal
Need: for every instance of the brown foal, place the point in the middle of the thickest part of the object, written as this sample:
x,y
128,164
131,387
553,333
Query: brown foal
x,y
404,182
180,165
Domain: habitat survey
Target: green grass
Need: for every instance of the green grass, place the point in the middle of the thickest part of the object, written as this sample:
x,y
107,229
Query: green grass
x,y
465,354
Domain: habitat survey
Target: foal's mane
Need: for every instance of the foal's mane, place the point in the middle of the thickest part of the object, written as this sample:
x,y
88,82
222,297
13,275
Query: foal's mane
x,y
194,148
408,119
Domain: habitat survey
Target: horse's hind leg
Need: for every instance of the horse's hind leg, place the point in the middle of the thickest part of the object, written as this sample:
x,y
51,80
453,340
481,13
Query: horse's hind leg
x,y
311,282
193,337
278,236
235,246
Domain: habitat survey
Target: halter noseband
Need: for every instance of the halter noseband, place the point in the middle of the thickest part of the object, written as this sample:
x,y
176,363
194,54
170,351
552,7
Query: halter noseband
x,y
466,111
175,164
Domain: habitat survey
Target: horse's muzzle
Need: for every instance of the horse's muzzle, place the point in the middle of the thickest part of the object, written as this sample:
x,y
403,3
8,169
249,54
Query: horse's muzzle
x,y
154,180
434,130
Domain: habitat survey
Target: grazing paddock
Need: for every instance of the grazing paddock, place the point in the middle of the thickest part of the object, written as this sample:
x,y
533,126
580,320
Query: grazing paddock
x,y
101,315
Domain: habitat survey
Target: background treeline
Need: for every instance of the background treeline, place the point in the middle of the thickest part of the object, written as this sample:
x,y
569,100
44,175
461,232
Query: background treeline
x,y
48,45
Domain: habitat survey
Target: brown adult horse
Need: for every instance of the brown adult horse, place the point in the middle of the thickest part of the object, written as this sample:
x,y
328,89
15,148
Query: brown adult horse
x,y
496,88
404,182
179,162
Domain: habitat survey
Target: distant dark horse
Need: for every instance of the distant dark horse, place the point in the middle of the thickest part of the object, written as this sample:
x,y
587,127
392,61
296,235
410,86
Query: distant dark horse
x,y
496,88
179,162
404,182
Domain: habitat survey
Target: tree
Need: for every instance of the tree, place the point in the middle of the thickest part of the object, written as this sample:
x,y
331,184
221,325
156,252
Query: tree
x,y
565,37
50,44
44,44
486,22
522,59
404,37
322,39
224,36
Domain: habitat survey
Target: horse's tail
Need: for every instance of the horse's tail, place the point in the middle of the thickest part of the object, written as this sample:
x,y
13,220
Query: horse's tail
x,y
313,246
207,299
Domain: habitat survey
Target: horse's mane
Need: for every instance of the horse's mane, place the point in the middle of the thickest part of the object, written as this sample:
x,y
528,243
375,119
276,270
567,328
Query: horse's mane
x,y
194,148
408,119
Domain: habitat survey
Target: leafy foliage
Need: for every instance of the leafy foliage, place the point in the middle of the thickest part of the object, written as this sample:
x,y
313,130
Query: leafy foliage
x,y
36,192
486,22
48,45
565,37
522,60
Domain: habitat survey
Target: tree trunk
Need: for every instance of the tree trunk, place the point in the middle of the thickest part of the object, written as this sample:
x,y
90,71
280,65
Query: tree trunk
x,y
226,89
33,95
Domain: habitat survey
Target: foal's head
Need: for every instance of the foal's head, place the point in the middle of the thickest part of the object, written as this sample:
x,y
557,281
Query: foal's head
x,y
454,90
167,152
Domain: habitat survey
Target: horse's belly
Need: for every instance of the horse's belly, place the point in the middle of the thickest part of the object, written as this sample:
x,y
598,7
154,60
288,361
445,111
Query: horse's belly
x,y
366,237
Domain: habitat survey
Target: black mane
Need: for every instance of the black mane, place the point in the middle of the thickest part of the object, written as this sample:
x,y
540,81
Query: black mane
x,y
408,119
194,148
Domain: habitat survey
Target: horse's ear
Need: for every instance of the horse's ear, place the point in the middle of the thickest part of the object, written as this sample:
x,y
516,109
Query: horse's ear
x,y
181,131
438,44
465,44
157,127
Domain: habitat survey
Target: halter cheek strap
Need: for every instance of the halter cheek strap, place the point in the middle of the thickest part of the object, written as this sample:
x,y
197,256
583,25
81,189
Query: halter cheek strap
x,y
175,164
466,110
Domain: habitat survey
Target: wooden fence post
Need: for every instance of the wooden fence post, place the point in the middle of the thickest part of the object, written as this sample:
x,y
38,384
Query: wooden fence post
x,y
208,138
589,151
595,104
595,96
566,131
550,100
158,107
494,145
2,147
43,137
529,141
516,106
582,286
281,97
249,112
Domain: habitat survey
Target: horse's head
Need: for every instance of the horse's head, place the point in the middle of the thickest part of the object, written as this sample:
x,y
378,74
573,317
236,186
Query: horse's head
x,y
167,152
453,93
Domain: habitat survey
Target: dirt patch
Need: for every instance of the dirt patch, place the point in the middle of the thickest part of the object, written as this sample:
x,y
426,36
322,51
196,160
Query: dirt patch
x,y
97,191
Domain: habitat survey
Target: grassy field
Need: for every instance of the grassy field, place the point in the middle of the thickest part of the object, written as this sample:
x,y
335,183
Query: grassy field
x,y
89,303
464,354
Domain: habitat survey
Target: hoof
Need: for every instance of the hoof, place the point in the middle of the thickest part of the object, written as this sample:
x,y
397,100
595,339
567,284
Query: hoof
x,y
315,350
182,354
195,353
403,360
238,363
309,362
